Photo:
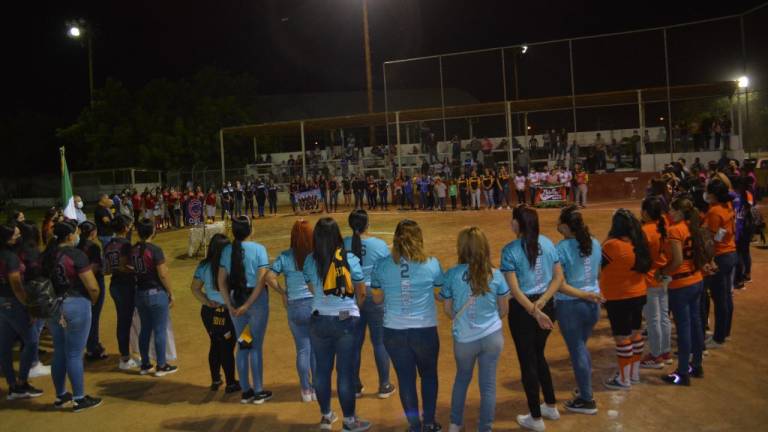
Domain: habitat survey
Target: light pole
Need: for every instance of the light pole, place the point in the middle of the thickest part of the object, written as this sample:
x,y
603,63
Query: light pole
x,y
368,79
743,84
79,29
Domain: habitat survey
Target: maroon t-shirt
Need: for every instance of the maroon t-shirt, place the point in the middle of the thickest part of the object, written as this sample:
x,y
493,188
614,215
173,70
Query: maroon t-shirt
x,y
145,261
70,263
9,264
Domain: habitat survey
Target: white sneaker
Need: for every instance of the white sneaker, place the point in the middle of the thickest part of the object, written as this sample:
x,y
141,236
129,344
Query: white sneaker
x,y
549,413
454,428
306,397
39,370
128,365
528,422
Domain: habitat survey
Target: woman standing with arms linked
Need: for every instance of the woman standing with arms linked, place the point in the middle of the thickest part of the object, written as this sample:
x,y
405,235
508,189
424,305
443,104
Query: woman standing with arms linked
x,y
154,298
369,250
626,261
476,299
578,301
336,279
242,269
71,275
406,284
297,299
531,267
122,286
215,316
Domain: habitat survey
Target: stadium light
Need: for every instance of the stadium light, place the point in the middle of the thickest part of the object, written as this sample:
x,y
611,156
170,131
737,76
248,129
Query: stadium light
x,y
74,32
524,49
743,82
79,29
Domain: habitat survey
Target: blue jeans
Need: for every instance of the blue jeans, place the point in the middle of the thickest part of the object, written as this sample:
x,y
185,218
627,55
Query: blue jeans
x,y
334,339
684,303
69,343
488,198
577,318
415,350
252,358
124,296
15,323
722,295
38,329
93,345
656,312
299,313
153,312
485,352
372,317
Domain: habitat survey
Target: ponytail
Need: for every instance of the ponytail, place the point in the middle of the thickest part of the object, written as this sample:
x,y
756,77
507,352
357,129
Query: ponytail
x,y
528,220
86,228
61,232
625,224
653,206
241,229
691,216
145,229
571,217
358,221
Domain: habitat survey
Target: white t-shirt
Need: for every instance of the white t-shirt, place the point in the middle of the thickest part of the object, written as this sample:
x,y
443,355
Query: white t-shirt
x,y
520,182
533,177
565,177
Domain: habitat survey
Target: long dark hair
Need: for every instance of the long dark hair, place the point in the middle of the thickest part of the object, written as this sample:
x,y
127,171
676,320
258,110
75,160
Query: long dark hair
x,y
528,220
327,239
719,189
691,216
654,208
358,221
571,217
217,244
145,228
625,224
121,223
61,231
86,228
241,230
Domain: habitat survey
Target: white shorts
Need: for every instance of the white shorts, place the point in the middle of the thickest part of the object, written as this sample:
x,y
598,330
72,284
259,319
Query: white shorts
x,y
210,211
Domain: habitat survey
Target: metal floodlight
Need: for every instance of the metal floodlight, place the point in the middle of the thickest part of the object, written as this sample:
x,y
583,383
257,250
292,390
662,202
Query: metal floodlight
x,y
74,32
743,82
524,49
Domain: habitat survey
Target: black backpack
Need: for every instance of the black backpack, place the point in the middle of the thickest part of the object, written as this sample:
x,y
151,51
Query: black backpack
x,y
42,300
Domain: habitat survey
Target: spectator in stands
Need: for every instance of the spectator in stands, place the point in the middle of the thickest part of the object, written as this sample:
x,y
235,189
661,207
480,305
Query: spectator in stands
x,y
533,144
474,147
573,154
600,152
269,158
551,148
487,152
424,167
647,142
523,161
455,148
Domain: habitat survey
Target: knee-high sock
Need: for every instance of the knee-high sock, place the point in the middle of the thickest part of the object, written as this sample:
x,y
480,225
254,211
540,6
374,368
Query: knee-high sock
x,y
638,344
625,356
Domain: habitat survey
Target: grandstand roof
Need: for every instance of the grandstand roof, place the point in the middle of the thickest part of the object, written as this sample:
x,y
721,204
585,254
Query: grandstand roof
x,y
623,97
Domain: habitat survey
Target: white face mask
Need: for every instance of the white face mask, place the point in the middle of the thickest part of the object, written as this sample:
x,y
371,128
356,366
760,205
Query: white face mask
x,y
79,204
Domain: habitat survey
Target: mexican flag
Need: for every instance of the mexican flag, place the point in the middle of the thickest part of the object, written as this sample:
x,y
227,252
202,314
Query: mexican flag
x,y
67,200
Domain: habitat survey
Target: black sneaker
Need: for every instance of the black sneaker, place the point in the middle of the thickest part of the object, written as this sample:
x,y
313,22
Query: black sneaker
x,y
96,356
215,385
434,427
63,401
676,379
23,391
162,371
85,403
232,388
696,371
262,397
247,397
31,391
146,369
581,406
386,391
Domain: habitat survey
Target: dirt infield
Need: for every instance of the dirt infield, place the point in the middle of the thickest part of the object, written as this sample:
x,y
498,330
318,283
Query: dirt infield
x,y
733,395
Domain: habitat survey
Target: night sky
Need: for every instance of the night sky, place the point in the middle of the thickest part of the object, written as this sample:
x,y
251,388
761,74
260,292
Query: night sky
x,y
304,46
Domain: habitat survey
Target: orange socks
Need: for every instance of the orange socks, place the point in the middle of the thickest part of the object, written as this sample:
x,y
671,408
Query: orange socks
x,y
638,345
625,357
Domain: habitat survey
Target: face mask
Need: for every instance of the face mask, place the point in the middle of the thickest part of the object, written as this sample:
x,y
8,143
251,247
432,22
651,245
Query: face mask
x,y
79,204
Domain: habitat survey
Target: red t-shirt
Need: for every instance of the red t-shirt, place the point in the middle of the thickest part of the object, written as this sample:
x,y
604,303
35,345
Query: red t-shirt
x,y
210,199
136,201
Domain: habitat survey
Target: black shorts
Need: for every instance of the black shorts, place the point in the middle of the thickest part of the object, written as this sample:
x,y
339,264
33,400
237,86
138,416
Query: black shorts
x,y
625,315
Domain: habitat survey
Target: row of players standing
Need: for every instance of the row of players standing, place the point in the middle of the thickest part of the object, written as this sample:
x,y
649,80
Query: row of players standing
x,y
238,199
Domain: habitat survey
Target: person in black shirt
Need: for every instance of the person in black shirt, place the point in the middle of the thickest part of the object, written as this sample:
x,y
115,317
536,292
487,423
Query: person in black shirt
x,y
333,191
14,319
272,196
154,298
93,348
293,188
383,189
122,286
358,193
347,188
226,201
371,193
70,272
103,218
261,196
250,192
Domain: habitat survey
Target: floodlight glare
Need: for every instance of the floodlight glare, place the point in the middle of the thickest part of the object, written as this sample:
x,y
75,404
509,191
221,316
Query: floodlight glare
x,y
74,32
743,82
524,49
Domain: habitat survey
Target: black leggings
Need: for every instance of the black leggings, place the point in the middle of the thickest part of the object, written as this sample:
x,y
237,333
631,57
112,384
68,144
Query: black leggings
x,y
221,353
530,341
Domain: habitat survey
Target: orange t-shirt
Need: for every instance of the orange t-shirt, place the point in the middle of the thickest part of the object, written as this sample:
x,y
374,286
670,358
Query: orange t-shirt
x,y
617,279
722,216
658,257
686,274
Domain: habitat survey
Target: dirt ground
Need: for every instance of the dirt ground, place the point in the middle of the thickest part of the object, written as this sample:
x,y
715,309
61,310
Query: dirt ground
x,y
732,396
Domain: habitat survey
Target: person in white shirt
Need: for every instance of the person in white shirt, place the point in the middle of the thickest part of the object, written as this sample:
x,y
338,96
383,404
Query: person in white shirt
x,y
520,187
565,178
79,215
533,183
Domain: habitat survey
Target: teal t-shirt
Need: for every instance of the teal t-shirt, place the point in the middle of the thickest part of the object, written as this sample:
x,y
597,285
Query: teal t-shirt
x,y
204,274
295,285
532,280
332,305
254,259
582,272
408,287
374,249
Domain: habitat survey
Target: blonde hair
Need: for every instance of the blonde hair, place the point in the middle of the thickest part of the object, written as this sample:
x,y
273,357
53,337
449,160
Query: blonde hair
x,y
408,242
473,249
